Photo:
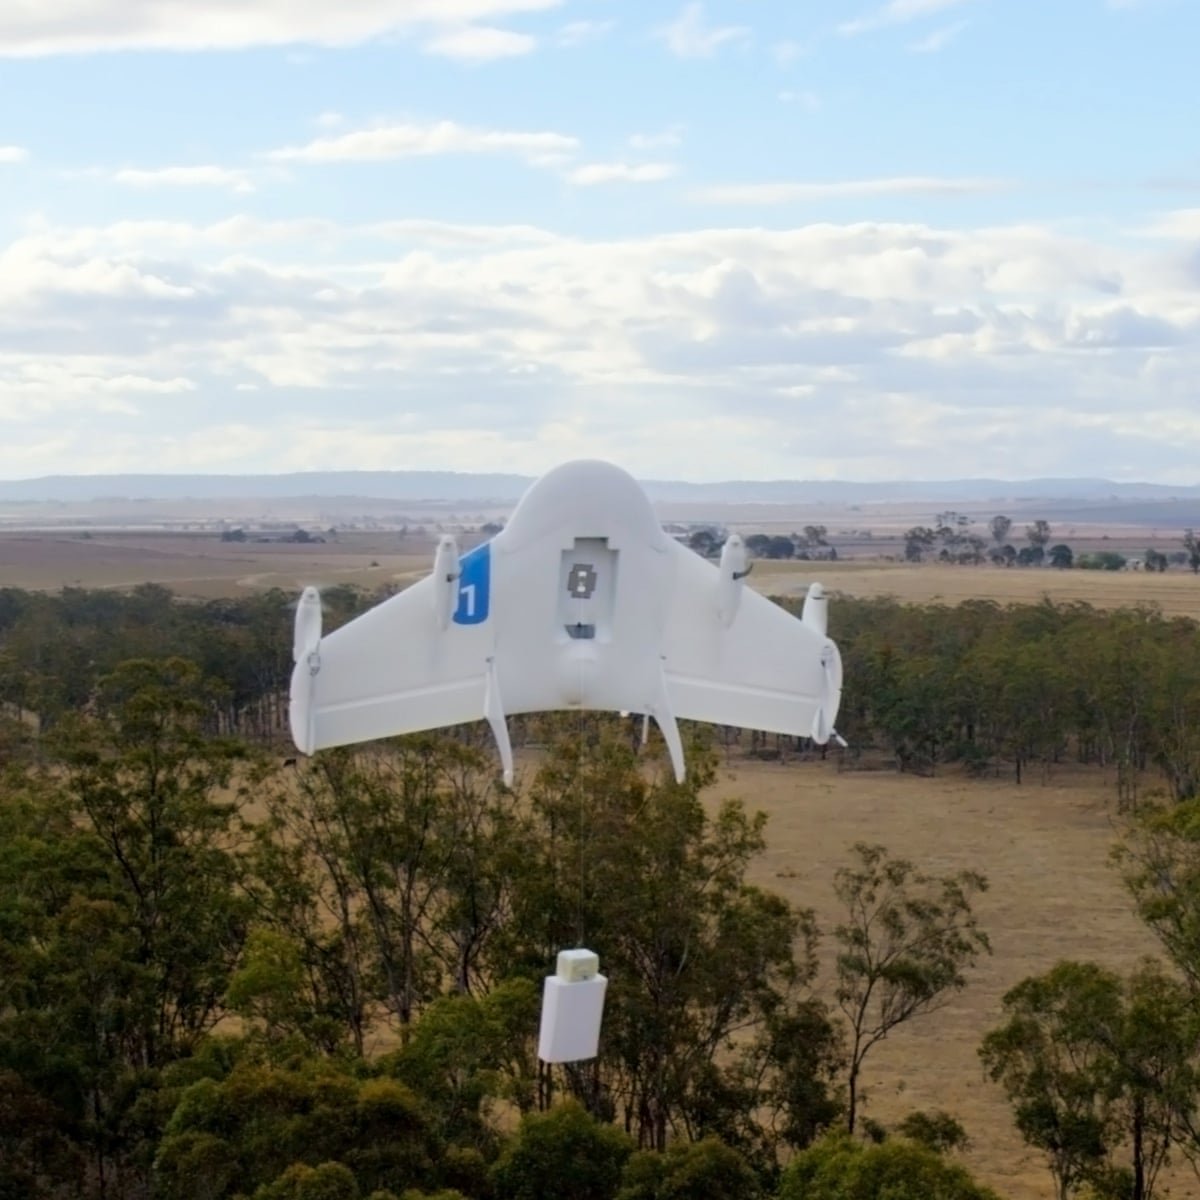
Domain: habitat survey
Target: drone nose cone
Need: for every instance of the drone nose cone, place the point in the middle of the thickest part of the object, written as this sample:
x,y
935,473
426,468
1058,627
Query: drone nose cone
x,y
593,499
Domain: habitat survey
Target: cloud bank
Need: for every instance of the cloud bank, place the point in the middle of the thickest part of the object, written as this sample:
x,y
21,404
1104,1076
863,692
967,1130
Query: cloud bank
x,y
860,350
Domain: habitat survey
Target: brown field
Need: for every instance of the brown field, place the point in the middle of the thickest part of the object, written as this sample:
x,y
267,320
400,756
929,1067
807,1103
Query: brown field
x,y
202,566
1176,592
1052,895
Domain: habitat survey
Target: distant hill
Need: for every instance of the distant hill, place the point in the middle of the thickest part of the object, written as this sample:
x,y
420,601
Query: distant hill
x,y
462,487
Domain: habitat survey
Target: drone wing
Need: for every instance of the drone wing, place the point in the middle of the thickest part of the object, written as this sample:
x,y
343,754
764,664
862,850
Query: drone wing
x,y
763,669
419,660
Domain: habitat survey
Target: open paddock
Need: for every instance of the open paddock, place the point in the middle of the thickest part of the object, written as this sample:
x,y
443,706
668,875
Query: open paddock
x,y
1052,895
1176,592
202,566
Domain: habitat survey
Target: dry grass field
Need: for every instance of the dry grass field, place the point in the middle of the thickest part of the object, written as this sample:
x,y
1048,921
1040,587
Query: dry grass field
x,y
202,566
1052,895
1176,592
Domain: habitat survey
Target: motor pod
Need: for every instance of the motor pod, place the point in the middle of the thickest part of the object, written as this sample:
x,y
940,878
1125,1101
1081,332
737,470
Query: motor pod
x,y
831,695
307,633
815,613
732,578
306,654
446,574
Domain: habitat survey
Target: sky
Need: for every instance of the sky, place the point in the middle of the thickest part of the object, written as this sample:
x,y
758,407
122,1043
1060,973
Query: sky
x,y
755,239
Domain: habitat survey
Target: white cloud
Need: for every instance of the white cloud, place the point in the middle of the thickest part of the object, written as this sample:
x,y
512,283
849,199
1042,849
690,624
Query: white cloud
x,y
13,154
480,43
672,136
787,52
809,101
580,33
897,12
619,172
195,176
1183,223
787,192
411,140
689,35
709,353
84,26
939,39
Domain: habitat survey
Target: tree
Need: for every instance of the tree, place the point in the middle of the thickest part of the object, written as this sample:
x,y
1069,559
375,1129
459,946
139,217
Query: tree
x,y
121,914
781,547
1191,546
938,1131
759,544
1092,1065
1000,527
903,948
1062,556
842,1168
703,1170
705,541
1102,560
328,1181
562,1154
1155,560
409,855
263,1125
150,783
466,1051
917,541
1159,856
632,864
1038,534
815,535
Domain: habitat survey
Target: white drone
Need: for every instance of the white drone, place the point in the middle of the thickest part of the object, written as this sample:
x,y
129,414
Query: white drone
x,y
581,602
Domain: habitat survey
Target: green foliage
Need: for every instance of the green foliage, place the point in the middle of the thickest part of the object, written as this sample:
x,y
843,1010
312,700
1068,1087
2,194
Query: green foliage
x,y
329,1181
840,1168
937,1131
703,1170
635,868
263,1125
465,1052
409,857
1191,546
1098,1068
989,686
562,1154
903,948
1160,860
1000,526
120,910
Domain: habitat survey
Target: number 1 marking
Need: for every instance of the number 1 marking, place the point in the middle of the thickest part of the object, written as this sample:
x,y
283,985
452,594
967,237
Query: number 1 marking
x,y
468,591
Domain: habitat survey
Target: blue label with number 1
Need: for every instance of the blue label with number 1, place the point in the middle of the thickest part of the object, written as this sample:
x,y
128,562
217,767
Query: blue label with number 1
x,y
473,586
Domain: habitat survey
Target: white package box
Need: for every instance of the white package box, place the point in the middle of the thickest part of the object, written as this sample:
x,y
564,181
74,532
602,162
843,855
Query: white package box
x,y
572,1009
